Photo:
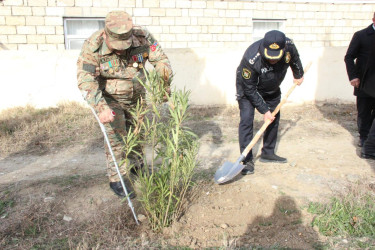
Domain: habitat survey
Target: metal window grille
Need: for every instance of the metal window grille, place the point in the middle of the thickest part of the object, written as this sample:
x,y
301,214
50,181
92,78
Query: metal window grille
x,y
77,30
262,26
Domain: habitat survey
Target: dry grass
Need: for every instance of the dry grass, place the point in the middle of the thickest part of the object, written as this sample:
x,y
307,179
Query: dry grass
x,y
36,131
28,221
31,223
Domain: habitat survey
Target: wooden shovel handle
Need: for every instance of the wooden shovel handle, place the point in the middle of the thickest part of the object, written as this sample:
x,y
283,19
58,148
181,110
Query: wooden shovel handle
x,y
274,113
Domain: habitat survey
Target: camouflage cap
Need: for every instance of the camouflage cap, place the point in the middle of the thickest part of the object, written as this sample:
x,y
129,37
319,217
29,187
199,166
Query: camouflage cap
x,y
119,30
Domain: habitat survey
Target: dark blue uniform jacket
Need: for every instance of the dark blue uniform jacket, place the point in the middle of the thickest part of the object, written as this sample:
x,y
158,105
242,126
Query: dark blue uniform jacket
x,y
258,80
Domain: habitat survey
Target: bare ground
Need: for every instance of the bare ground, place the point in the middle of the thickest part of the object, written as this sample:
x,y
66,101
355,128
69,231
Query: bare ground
x,y
61,196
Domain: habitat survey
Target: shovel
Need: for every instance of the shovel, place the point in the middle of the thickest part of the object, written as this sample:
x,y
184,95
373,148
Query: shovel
x,y
229,170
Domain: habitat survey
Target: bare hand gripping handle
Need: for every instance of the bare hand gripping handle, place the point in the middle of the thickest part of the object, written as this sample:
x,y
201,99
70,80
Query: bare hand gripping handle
x,y
229,170
268,122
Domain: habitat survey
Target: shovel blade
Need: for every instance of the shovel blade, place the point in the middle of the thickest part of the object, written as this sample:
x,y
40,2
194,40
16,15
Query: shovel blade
x,y
228,171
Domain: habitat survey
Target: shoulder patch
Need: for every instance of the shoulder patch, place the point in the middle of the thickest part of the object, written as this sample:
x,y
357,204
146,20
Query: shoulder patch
x,y
154,46
246,74
287,57
89,68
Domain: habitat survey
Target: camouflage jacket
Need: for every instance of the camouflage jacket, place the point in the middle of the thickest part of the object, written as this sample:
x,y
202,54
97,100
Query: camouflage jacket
x,y
101,72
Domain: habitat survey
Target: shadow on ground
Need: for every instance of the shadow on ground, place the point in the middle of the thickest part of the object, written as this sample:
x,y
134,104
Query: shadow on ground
x,y
345,115
284,228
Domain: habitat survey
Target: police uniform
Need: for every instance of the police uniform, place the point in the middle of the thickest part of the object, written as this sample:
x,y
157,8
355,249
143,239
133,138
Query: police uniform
x,y
258,87
109,80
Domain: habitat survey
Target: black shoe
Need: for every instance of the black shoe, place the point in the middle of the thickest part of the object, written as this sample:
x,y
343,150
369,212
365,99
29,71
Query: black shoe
x,y
272,158
368,156
117,188
248,169
361,142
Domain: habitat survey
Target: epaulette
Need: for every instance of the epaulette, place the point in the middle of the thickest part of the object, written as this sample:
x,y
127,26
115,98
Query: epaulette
x,y
289,41
140,31
95,40
253,59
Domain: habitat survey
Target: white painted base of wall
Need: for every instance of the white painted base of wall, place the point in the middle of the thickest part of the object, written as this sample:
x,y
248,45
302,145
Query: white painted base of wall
x,y
43,79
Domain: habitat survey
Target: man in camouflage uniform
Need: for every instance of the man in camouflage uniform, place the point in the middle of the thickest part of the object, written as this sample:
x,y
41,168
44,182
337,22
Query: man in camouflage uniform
x,y
110,63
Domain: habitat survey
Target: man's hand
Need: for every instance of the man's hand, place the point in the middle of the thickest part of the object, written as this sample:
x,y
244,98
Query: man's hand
x,y
355,82
106,116
268,116
298,81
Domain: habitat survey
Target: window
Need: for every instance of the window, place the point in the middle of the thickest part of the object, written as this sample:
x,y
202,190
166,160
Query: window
x,y
262,26
76,30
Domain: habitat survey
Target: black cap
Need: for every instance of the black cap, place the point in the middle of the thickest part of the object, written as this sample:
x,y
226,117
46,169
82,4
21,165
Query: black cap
x,y
273,45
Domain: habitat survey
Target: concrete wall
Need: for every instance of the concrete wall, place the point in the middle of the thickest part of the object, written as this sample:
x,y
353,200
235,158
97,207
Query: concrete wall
x,y
46,78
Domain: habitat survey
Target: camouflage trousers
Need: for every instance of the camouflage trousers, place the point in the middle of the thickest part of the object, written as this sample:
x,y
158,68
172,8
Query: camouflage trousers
x,y
117,132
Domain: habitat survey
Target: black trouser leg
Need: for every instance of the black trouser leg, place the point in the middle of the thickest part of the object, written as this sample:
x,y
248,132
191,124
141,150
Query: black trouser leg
x,y
270,135
369,145
245,129
365,108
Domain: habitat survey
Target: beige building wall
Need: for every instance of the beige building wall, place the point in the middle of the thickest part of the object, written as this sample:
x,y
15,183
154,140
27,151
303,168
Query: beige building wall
x,y
38,24
204,40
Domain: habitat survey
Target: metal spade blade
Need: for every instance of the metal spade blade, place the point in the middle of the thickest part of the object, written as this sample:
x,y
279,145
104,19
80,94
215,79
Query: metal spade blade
x,y
228,171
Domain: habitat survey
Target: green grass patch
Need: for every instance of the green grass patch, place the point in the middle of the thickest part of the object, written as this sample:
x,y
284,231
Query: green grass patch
x,y
62,243
6,202
287,211
352,214
4,205
265,224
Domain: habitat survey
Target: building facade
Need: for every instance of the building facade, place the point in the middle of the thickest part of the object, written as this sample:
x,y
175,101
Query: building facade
x,y
45,24
205,40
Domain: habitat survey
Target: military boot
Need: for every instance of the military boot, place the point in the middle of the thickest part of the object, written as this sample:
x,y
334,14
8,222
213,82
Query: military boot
x,y
118,189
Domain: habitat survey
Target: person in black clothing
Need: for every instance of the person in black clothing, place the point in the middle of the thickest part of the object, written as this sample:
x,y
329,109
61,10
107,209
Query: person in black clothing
x,y
355,59
368,87
259,75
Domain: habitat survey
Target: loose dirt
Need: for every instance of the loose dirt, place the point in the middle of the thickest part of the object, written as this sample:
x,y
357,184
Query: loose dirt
x,y
267,209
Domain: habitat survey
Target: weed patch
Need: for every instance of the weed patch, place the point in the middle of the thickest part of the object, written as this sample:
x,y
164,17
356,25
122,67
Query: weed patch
x,y
349,215
6,203
34,224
